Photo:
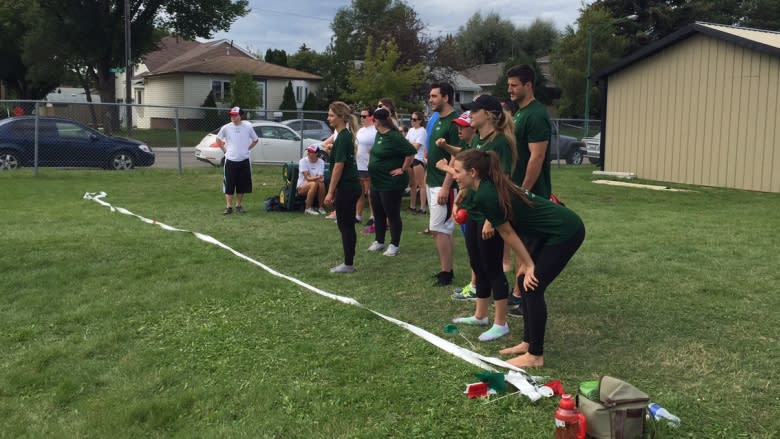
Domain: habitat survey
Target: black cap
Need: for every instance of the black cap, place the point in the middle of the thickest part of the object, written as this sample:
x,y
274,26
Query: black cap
x,y
381,114
484,102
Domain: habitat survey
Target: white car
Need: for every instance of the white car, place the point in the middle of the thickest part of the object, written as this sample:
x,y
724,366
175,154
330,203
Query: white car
x,y
592,148
277,144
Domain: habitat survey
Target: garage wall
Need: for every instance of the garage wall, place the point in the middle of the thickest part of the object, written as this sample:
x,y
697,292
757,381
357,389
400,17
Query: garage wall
x,y
703,111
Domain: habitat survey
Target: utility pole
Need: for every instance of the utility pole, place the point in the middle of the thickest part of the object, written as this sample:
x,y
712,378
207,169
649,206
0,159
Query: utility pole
x,y
128,72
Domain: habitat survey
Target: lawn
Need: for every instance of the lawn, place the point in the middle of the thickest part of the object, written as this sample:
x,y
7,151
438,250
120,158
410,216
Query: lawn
x,y
157,138
110,327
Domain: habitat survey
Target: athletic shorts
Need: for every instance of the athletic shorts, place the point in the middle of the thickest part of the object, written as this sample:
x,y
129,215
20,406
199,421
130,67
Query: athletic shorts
x,y
363,174
237,177
441,220
416,162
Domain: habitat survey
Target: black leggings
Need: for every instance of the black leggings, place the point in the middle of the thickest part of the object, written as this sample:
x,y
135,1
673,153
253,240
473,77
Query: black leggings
x,y
485,257
345,219
549,262
387,208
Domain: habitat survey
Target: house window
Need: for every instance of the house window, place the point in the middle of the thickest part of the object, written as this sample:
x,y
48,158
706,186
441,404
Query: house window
x,y
261,94
300,94
457,97
221,90
139,97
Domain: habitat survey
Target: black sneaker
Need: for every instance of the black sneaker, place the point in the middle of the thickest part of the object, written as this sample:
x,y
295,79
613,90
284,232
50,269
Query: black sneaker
x,y
370,222
516,312
239,209
514,300
228,211
444,278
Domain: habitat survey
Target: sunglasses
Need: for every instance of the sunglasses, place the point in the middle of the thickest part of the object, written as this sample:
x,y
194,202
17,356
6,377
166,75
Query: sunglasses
x,y
416,120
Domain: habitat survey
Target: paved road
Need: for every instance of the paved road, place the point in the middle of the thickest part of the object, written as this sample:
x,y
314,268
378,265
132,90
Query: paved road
x,y
168,158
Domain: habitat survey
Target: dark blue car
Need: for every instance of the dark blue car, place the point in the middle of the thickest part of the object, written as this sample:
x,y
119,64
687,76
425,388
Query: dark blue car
x,y
66,143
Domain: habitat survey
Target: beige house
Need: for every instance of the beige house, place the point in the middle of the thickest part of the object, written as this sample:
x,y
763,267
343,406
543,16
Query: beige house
x,y
701,106
182,73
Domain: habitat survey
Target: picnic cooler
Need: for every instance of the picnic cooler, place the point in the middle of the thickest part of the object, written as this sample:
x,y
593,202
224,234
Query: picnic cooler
x,y
619,412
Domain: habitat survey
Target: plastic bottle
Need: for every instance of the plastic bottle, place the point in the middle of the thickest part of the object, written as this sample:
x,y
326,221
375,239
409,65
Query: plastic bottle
x,y
569,423
659,413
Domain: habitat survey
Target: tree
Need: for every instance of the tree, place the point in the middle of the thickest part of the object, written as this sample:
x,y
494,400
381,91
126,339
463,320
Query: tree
x,y
28,60
99,46
376,21
276,56
447,53
212,119
487,40
381,76
311,103
244,91
569,59
538,38
288,102
542,92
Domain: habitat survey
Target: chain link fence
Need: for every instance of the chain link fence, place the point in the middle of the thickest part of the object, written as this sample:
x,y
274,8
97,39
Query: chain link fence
x,y
39,134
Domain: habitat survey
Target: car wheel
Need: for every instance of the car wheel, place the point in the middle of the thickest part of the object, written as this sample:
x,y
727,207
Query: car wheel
x,y
574,157
9,161
594,161
122,161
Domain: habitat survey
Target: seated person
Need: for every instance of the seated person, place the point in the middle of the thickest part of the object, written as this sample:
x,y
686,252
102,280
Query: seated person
x,y
311,180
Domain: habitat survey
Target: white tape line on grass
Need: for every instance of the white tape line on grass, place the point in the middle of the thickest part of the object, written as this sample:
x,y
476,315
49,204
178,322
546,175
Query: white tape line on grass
x,y
462,353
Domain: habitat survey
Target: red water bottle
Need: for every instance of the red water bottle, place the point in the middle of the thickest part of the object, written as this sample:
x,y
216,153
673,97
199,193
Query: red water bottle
x,y
569,423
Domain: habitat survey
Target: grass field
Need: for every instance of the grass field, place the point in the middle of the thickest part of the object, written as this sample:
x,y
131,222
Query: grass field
x,y
110,327
157,138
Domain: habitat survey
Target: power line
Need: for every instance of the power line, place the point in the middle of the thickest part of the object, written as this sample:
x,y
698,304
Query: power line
x,y
291,13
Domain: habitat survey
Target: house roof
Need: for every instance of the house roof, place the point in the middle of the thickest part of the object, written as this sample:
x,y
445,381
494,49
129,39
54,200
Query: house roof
x,y
215,58
759,40
484,74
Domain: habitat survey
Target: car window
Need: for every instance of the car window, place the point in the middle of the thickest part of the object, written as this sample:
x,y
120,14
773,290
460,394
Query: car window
x,y
279,133
312,125
294,124
259,131
71,131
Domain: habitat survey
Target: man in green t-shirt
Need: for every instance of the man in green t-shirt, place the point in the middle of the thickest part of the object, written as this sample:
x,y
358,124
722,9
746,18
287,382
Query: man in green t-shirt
x,y
532,132
441,193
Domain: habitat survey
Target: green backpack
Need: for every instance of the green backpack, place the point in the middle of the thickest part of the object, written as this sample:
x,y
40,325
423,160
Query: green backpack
x,y
616,411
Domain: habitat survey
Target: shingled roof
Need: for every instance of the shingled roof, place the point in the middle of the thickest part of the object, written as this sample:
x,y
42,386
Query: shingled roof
x,y
212,58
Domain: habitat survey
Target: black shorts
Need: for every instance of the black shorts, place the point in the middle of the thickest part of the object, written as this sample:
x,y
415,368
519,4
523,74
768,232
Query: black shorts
x,y
416,162
237,177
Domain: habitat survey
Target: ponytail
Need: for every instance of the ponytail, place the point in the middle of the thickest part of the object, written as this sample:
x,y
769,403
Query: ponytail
x,y
504,124
488,167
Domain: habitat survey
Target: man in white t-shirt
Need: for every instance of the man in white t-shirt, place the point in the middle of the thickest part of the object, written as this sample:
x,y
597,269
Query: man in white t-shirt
x,y
311,180
365,141
236,139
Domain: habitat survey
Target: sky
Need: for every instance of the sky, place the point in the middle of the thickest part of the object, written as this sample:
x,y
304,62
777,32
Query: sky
x,y
290,23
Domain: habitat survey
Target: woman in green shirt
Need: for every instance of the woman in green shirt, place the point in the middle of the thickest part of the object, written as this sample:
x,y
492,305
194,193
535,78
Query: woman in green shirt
x,y
344,187
513,211
390,159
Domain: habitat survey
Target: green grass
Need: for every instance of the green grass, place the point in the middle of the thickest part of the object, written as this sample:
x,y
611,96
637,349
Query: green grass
x,y
110,327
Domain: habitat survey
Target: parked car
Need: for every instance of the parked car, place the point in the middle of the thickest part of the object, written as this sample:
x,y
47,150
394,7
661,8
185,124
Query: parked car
x,y
277,144
592,149
67,143
312,128
565,148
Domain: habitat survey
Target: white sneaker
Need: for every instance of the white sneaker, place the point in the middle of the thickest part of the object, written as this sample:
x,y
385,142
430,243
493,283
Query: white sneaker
x,y
322,211
311,211
342,268
392,250
375,247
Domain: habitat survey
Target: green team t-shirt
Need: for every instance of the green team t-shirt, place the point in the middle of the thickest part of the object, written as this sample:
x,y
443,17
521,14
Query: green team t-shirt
x,y
343,151
545,220
500,145
442,129
532,124
388,153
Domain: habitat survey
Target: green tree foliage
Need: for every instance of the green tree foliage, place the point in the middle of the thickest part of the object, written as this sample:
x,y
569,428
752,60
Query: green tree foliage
x,y
288,103
538,38
29,65
487,40
382,75
99,46
376,21
212,119
569,59
276,56
312,103
244,91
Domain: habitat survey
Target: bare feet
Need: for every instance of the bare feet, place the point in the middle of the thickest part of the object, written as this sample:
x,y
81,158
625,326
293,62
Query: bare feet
x,y
527,360
515,350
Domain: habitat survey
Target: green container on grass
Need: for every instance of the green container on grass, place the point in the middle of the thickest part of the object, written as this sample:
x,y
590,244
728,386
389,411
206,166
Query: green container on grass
x,y
590,389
